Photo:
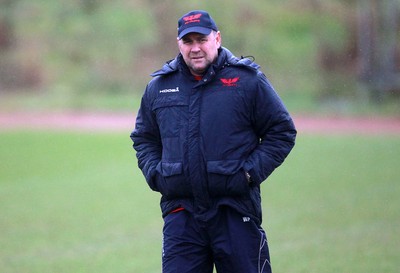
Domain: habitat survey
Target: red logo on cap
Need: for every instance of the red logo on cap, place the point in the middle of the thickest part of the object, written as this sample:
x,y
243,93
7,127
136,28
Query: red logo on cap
x,y
192,18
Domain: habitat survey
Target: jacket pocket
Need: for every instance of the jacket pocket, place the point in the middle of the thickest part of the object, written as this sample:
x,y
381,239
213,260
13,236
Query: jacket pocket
x,y
226,178
171,181
170,112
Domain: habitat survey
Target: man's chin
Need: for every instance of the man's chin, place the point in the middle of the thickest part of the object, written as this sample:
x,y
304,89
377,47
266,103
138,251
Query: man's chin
x,y
198,70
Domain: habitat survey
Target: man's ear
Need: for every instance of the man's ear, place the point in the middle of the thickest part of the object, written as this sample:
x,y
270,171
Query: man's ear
x,y
218,38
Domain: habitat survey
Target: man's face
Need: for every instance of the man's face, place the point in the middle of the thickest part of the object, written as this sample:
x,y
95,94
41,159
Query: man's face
x,y
199,51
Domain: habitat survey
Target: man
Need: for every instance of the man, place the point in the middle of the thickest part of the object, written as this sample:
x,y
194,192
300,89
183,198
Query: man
x,y
209,130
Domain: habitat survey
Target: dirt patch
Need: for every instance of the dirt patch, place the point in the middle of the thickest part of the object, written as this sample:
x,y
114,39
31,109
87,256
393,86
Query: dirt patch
x,y
125,122
76,121
348,125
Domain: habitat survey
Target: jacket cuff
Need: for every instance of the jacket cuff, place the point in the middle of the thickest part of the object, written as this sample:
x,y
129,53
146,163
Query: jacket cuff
x,y
253,175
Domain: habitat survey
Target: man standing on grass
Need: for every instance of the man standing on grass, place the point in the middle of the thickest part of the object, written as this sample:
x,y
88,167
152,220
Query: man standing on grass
x,y
210,129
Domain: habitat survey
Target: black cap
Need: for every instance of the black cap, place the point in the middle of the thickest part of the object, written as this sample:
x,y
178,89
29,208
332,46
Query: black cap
x,y
198,21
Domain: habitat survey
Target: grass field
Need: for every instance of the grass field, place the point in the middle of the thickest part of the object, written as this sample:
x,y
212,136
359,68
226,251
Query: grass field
x,y
76,202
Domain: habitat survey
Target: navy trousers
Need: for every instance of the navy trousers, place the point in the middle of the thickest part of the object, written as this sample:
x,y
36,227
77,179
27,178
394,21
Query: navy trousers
x,y
231,242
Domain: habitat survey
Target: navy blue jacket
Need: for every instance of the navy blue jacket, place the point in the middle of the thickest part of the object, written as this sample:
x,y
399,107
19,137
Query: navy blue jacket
x,y
196,139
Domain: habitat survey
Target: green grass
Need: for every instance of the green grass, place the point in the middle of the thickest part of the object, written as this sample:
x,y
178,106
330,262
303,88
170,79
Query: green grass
x,y
334,206
76,202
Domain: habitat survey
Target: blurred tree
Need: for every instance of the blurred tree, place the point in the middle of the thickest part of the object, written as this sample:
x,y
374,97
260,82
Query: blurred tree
x,y
379,40
150,56
89,6
15,72
6,25
7,39
358,41
336,47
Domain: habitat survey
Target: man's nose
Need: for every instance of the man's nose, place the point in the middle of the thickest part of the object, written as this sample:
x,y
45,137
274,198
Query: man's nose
x,y
195,47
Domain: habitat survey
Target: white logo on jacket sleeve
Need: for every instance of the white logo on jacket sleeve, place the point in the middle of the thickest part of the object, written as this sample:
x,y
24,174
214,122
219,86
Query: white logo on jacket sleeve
x,y
171,90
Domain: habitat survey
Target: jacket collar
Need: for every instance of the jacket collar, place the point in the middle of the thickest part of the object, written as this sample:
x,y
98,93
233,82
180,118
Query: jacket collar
x,y
225,58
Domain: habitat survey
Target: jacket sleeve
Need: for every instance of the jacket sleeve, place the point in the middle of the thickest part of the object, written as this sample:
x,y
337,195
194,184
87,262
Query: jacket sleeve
x,y
274,128
146,141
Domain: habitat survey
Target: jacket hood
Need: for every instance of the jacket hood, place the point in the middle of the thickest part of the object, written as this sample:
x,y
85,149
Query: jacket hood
x,y
225,58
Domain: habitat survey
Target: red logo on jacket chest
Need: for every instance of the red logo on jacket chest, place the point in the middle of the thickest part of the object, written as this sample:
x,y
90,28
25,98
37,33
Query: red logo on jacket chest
x,y
230,82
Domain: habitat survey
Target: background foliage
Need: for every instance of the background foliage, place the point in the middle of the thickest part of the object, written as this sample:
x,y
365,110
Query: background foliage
x,y
81,53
